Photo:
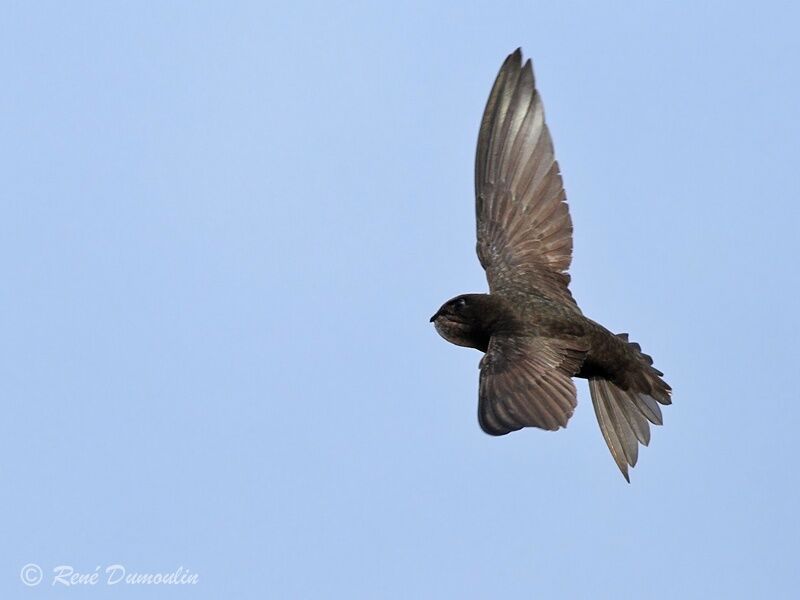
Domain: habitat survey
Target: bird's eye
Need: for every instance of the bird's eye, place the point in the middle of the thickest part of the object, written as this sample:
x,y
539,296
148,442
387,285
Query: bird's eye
x,y
460,303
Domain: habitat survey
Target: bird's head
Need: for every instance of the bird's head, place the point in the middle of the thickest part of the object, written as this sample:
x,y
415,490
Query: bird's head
x,y
462,321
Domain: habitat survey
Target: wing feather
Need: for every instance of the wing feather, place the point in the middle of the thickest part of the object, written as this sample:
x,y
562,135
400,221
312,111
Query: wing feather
x,y
523,222
527,382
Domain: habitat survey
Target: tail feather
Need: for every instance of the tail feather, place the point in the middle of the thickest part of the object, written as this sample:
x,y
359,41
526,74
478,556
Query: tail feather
x,y
616,432
625,415
636,419
647,405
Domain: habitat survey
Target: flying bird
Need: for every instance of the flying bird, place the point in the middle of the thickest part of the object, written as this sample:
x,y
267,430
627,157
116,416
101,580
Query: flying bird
x,y
534,336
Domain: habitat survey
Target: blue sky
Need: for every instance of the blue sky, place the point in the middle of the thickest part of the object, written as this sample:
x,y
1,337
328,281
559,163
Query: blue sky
x,y
224,227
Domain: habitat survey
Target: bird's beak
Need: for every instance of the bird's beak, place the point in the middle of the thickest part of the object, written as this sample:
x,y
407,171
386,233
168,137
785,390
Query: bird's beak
x,y
434,317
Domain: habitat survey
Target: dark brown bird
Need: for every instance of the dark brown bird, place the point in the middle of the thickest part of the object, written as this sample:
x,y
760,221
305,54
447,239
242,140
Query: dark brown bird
x,y
533,333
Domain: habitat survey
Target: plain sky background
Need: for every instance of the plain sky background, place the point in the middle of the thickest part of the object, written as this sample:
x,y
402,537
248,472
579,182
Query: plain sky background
x,y
224,228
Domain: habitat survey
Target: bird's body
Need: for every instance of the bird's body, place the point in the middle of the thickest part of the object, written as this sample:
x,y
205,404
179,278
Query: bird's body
x,y
534,336
607,355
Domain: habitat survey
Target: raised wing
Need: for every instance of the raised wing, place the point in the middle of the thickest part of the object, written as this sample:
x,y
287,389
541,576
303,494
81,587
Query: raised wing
x,y
527,382
524,227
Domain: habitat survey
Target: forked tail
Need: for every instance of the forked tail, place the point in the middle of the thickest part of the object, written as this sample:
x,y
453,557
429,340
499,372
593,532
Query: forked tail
x,y
625,415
